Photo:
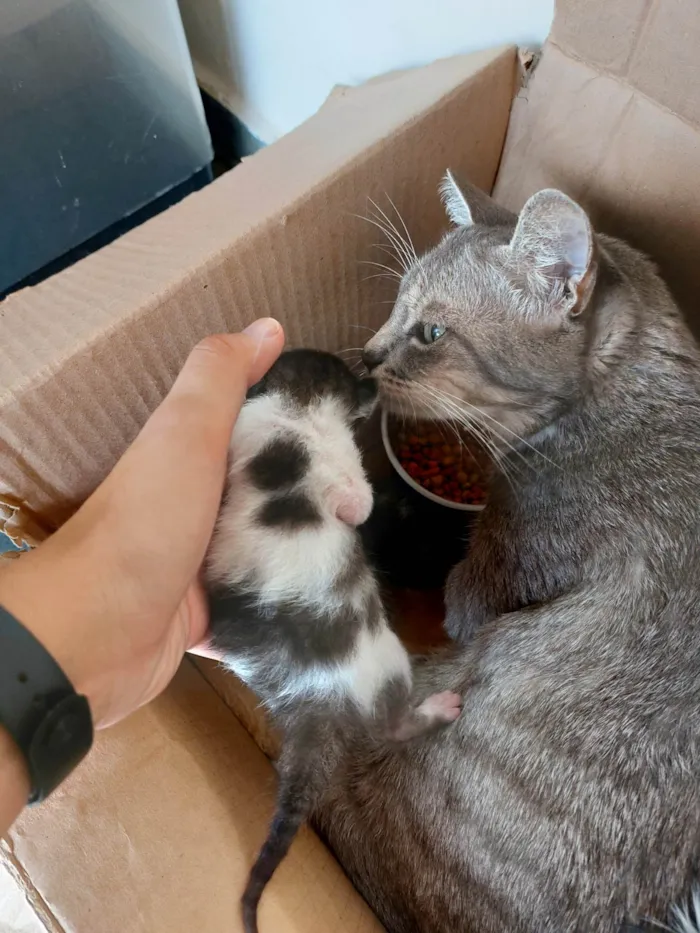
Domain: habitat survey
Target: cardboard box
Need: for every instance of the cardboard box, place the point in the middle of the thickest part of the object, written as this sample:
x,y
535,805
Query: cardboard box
x,y
157,829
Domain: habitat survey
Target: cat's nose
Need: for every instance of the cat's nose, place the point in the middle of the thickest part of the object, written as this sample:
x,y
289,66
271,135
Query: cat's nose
x,y
372,357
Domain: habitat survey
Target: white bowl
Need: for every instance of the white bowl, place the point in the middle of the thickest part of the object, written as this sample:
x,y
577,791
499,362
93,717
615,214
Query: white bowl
x,y
460,506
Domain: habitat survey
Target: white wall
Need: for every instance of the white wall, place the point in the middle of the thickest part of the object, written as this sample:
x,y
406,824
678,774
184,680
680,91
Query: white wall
x,y
273,62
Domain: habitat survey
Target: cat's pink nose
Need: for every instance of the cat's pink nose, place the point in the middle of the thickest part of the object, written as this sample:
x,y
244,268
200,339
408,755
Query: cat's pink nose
x,y
352,502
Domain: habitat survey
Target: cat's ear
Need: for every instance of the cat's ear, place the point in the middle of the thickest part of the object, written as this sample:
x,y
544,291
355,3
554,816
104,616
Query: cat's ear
x,y
367,395
553,246
467,205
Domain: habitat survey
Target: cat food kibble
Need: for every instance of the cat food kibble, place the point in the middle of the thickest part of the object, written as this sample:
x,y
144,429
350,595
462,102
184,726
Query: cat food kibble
x,y
441,465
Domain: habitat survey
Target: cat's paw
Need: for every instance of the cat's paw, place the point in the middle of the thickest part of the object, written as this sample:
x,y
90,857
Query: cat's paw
x,y
441,708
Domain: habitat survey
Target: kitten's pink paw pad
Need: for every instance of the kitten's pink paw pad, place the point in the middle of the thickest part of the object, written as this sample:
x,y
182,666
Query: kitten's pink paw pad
x,y
442,707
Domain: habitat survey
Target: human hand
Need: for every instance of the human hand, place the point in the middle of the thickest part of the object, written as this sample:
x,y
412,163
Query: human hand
x,y
114,596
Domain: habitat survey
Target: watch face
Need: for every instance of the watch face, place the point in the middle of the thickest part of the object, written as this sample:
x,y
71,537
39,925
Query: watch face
x,y
59,744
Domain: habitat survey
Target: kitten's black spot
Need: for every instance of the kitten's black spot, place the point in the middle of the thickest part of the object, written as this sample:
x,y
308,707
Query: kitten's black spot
x,y
292,511
281,632
306,376
282,463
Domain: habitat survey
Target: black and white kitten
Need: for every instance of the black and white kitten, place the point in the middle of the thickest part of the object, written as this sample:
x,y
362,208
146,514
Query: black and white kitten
x,y
297,611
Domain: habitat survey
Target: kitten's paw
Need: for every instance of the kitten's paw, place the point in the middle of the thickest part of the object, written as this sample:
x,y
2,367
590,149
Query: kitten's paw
x,y
442,707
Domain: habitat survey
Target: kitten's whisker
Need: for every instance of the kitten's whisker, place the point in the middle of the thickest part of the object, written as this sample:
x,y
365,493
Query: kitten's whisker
x,y
363,327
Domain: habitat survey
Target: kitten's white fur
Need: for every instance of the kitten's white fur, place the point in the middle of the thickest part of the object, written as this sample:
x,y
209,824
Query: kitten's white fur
x,y
303,565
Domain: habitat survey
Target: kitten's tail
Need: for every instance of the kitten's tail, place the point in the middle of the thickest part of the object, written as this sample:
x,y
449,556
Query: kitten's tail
x,y
302,779
293,807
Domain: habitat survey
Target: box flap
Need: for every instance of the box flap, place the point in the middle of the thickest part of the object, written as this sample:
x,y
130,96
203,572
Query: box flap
x,y
611,116
652,46
88,354
157,831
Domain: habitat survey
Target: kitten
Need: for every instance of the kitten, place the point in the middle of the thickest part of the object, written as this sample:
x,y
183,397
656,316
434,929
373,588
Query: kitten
x,y
297,613
567,795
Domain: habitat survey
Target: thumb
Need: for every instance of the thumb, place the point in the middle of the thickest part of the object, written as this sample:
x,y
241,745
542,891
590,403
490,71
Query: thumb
x,y
213,383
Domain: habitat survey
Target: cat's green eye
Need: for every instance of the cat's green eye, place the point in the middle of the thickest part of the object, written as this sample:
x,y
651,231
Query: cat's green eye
x,y
433,332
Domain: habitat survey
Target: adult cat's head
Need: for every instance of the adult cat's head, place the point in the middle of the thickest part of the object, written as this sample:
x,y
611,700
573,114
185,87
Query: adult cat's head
x,y
494,316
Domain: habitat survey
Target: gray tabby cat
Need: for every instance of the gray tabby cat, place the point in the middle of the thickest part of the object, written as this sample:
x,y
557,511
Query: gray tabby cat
x,y
567,795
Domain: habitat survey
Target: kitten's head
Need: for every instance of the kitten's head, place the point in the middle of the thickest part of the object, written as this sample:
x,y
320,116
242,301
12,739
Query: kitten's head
x,y
494,317
294,440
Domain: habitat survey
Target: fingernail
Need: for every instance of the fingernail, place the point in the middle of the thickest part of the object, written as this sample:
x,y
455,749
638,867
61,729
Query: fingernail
x,y
263,329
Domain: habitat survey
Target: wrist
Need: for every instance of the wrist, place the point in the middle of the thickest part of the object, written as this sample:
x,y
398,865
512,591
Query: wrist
x,y
38,590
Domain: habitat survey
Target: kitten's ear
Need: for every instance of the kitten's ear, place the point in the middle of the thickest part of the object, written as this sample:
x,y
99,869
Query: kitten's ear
x,y
466,205
553,245
366,397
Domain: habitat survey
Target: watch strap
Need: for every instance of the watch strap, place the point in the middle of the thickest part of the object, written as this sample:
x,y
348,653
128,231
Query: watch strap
x,y
49,721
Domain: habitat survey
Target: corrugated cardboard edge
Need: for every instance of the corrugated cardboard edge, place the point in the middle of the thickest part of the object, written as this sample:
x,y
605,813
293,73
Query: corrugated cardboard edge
x,y
75,328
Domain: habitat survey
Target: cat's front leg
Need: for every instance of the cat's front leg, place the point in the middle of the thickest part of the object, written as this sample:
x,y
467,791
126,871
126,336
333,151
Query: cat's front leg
x,y
465,611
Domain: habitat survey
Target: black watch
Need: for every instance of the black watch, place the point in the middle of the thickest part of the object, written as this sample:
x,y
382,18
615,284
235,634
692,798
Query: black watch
x,y
48,720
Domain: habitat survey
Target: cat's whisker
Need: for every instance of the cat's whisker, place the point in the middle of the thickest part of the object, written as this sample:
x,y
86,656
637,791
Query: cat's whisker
x,y
478,432
409,240
396,243
395,235
659,924
514,434
458,403
363,327
507,468
380,265
389,252
378,275
398,252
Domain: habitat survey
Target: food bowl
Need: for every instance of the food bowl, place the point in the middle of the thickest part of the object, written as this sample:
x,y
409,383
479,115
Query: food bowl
x,y
388,427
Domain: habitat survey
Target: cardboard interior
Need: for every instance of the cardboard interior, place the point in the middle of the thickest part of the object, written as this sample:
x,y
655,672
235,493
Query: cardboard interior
x,y
157,830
